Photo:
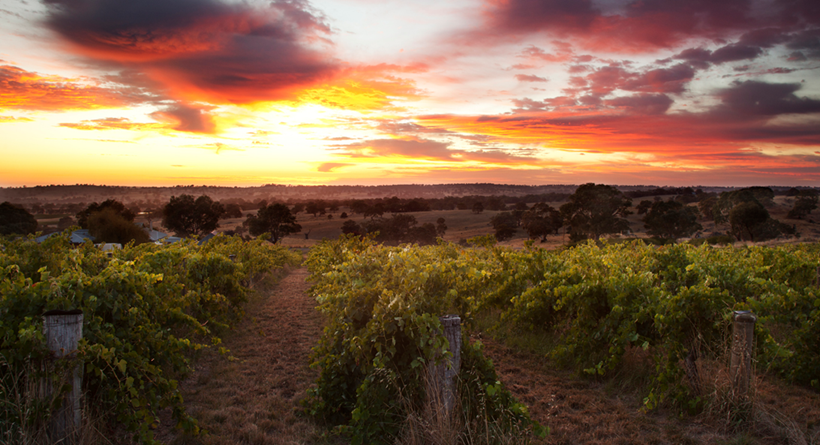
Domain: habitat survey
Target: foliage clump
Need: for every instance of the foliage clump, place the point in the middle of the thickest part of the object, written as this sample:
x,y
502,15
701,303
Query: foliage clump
x,y
147,310
383,306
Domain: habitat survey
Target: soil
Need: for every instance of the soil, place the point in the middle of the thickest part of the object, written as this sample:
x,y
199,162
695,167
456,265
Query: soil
x,y
255,398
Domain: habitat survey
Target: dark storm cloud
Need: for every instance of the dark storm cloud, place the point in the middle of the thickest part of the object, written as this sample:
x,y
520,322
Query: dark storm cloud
x,y
753,98
643,104
639,25
186,118
203,48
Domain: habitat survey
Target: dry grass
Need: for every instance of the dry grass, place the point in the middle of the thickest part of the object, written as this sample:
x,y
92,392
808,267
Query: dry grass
x,y
25,414
255,399
580,410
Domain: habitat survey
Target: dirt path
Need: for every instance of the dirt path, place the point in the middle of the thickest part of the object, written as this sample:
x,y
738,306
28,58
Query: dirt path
x,y
255,398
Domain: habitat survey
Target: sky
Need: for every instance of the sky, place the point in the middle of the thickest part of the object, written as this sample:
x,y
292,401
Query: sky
x,y
243,93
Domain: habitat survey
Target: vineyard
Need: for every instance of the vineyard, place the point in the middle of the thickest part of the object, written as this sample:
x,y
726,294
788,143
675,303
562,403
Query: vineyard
x,y
593,304
147,310
151,310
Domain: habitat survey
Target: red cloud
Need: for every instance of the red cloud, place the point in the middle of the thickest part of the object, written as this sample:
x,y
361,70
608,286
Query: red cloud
x,y
24,90
204,49
529,78
113,123
641,26
641,123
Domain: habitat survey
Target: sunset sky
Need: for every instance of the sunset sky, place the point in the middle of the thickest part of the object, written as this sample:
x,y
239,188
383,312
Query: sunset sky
x,y
166,92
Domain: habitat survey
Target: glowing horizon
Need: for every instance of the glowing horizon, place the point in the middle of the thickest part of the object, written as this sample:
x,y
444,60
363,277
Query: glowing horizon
x,y
221,92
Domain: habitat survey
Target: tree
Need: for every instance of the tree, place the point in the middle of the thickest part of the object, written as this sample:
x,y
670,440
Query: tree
x,y
595,210
541,220
116,206
15,219
358,206
708,207
806,202
275,219
505,225
351,227
643,207
65,222
316,207
478,208
232,210
745,218
441,227
188,216
109,226
671,220
374,212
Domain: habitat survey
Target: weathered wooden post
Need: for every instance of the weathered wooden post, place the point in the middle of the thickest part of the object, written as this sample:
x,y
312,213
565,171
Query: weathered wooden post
x,y
742,347
443,375
63,330
818,277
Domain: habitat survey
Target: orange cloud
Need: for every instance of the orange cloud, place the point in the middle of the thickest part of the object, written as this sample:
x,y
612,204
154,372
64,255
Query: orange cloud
x,y
114,123
331,166
14,119
25,90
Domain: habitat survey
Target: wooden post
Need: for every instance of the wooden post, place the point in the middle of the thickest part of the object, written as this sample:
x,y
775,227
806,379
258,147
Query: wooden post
x,y
443,375
742,347
63,330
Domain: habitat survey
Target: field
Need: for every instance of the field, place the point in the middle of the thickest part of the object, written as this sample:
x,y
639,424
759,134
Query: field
x,y
464,224
589,343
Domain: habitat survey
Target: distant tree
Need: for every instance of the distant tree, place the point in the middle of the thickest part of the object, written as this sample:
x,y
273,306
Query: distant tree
x,y
521,206
671,220
595,210
329,216
232,210
275,219
374,212
297,208
188,216
315,208
505,225
806,202
116,206
441,227
794,191
541,220
728,200
15,219
495,203
109,226
745,218
643,207
478,208
708,206
343,215
399,229
333,207
358,206
65,222
351,227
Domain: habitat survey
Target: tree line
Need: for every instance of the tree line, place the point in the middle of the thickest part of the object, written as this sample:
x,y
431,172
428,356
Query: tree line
x,y
592,211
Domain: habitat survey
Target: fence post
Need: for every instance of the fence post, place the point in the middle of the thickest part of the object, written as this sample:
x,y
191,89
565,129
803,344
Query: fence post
x,y
742,347
817,281
63,331
443,375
